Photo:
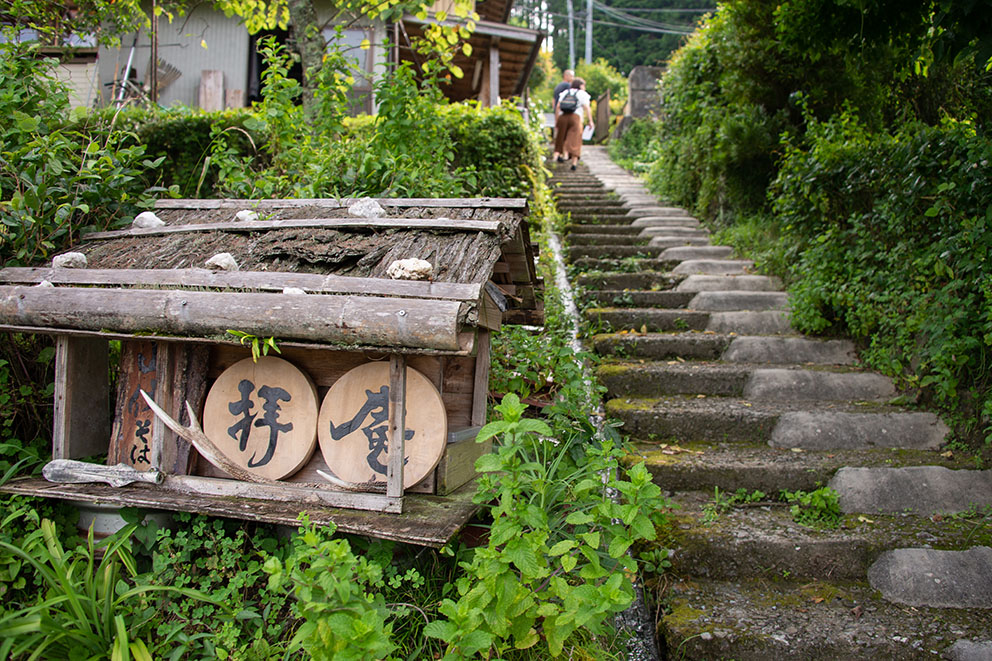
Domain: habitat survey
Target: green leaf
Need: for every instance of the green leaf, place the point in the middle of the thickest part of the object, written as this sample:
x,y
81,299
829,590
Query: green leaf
x,y
561,547
591,538
579,518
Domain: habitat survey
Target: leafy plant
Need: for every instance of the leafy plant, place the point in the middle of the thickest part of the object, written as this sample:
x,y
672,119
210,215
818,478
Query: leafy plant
x,y
259,346
817,509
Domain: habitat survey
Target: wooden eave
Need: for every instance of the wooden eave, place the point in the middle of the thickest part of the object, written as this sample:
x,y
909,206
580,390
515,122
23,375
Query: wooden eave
x,y
518,50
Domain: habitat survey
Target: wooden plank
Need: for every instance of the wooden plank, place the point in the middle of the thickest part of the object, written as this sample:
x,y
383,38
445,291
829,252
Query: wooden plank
x,y
425,521
212,90
466,340
369,320
132,438
344,203
397,425
82,398
186,378
437,224
480,386
263,280
458,466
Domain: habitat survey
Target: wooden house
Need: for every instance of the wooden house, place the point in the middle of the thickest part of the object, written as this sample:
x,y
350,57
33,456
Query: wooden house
x,y
372,361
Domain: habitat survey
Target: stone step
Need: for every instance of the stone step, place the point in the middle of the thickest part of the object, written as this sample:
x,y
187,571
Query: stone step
x,y
769,322
592,239
726,301
699,283
662,220
656,211
763,619
636,298
756,384
591,207
703,466
778,424
674,222
714,267
650,280
713,346
597,218
674,241
699,252
600,228
601,252
632,263
762,539
921,490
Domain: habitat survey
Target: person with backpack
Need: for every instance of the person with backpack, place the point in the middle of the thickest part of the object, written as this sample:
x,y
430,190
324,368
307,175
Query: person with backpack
x,y
568,122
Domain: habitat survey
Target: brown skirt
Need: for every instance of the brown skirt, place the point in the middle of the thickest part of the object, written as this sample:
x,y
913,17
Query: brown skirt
x,y
569,138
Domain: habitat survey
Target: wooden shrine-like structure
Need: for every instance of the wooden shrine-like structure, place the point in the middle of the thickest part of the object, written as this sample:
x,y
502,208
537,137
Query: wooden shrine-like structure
x,y
365,362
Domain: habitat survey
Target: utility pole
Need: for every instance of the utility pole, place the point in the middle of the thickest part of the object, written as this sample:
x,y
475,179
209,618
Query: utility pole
x,y
571,36
588,32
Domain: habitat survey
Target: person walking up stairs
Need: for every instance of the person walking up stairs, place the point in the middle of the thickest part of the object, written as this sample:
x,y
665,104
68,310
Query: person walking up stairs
x,y
819,517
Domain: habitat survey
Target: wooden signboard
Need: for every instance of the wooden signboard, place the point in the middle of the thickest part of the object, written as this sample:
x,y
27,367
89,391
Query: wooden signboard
x,y
131,436
262,416
353,426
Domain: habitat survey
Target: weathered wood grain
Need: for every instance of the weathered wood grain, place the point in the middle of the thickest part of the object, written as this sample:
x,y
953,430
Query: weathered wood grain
x,y
361,320
331,203
82,397
262,280
426,520
436,224
67,471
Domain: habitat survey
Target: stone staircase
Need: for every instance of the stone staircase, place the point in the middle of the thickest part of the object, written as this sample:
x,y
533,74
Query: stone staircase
x,y
721,395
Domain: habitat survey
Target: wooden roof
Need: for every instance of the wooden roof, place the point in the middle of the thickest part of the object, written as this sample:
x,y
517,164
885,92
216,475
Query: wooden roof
x,y
518,49
155,280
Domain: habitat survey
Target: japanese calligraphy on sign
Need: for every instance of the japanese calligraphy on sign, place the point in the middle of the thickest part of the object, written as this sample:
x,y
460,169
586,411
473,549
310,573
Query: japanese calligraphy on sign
x,y
353,427
262,416
132,435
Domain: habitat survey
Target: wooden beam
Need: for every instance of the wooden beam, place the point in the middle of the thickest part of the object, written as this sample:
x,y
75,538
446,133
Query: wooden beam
x,y
82,398
351,320
264,280
397,426
344,203
442,224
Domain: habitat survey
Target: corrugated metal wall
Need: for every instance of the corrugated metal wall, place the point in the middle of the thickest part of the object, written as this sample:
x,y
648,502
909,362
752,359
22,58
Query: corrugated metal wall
x,y
204,39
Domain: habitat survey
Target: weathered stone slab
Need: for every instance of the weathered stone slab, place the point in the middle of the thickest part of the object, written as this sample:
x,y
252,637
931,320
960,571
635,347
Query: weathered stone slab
x,y
970,650
663,212
727,301
786,385
655,210
714,267
828,430
649,223
701,282
927,577
926,490
676,241
771,322
785,350
700,252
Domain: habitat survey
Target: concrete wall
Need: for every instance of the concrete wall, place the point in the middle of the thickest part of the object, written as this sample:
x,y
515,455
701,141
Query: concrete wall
x,y
644,98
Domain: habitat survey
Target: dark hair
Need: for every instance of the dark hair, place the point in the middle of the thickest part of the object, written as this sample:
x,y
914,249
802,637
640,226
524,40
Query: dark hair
x,y
577,83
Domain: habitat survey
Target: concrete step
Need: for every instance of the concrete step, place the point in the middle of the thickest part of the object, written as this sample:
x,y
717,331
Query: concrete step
x,y
582,218
600,228
728,301
650,280
637,298
713,346
675,241
762,539
675,221
660,220
699,252
781,619
698,282
703,466
777,424
756,384
592,239
606,252
771,322
714,267
920,490
670,229
630,264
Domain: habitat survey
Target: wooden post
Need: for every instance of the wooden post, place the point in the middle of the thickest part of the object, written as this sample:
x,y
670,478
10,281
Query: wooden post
x,y
82,399
397,425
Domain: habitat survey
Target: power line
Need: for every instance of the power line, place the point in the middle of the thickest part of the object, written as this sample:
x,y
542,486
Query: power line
x,y
682,32
638,20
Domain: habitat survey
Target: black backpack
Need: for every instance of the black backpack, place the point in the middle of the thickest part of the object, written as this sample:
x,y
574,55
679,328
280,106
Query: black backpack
x,y
570,103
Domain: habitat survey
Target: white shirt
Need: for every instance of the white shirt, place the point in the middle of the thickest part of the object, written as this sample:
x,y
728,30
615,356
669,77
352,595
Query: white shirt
x,y
582,95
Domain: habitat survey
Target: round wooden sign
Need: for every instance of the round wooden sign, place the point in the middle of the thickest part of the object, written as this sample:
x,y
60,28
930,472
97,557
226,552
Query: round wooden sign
x,y
353,427
263,416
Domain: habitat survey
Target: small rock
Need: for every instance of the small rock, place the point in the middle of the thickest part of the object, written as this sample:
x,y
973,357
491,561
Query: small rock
x,y
246,214
366,208
147,220
223,261
69,260
45,283
293,291
410,269
706,635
